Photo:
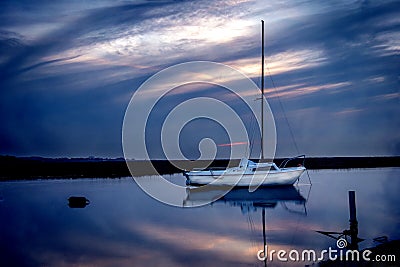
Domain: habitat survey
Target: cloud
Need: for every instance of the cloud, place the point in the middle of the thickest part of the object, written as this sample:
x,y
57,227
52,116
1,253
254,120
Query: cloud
x,y
301,89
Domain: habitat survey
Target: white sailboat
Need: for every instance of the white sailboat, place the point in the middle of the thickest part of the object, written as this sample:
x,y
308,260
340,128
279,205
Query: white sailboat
x,y
249,173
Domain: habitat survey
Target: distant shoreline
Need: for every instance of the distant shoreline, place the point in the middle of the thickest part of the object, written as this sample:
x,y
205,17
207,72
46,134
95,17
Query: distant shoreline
x,y
16,168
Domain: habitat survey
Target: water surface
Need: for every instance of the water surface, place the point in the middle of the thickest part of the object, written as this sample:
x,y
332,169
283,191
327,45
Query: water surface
x,y
122,226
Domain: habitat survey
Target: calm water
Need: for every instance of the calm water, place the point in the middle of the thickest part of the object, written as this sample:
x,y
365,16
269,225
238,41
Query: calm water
x,y
122,226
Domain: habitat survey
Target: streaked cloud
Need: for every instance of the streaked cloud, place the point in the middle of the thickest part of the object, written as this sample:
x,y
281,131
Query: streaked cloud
x,y
280,63
348,111
389,43
392,96
302,89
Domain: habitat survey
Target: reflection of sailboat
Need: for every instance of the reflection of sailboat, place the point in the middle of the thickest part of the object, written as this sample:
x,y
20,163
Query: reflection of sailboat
x,y
241,197
249,172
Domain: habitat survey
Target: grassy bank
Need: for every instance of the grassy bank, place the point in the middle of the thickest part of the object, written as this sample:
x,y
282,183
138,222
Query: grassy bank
x,y
14,168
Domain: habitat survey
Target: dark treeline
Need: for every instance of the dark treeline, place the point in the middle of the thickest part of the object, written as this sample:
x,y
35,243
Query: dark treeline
x,y
13,168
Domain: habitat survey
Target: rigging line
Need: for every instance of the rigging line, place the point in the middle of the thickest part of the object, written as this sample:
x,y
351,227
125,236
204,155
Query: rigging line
x,y
296,229
283,111
298,218
309,178
308,194
308,175
252,231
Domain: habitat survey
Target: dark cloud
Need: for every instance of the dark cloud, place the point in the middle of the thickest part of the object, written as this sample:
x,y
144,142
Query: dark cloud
x,y
73,34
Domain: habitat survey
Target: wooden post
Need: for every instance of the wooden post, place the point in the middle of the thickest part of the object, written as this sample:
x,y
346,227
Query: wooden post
x,y
353,220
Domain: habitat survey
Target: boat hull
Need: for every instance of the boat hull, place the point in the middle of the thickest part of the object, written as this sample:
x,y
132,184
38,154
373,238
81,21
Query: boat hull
x,y
287,176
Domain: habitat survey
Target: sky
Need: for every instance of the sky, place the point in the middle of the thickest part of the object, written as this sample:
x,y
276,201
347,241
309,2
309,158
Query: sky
x,y
68,70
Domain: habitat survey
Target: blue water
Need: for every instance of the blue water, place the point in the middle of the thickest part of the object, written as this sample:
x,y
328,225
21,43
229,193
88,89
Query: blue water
x,y
122,226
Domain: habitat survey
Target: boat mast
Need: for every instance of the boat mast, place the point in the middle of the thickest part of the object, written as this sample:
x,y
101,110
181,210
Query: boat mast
x,y
262,90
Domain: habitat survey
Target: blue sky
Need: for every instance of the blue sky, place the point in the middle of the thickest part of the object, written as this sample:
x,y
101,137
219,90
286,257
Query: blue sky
x,y
69,68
